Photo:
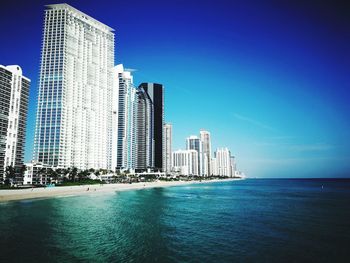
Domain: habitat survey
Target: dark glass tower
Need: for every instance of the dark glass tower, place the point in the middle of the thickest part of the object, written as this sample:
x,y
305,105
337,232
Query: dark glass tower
x,y
156,93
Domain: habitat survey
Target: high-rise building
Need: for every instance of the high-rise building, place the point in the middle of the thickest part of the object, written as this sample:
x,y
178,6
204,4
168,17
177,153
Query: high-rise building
x,y
126,119
233,166
194,143
206,152
167,135
223,162
74,122
14,90
144,131
214,170
185,162
156,93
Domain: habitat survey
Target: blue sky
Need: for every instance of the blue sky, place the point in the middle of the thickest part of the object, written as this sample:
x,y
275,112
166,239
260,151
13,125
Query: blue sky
x,y
269,79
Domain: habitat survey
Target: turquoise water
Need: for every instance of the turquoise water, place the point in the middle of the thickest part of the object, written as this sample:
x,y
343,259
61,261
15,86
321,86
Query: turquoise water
x,y
241,221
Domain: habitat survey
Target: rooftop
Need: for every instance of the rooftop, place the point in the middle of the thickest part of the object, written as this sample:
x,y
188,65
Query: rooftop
x,y
86,18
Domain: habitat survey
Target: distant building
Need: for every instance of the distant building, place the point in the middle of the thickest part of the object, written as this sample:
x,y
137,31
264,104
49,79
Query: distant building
x,y
233,166
214,169
194,143
185,162
14,90
156,93
37,173
75,105
167,156
222,163
206,152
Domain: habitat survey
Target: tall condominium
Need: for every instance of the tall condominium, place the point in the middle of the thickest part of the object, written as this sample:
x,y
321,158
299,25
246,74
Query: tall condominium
x,y
233,166
206,150
223,166
14,90
194,143
144,130
156,93
185,162
126,119
74,124
167,144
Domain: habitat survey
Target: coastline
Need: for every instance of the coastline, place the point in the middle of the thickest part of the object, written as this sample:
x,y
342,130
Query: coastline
x,y
34,193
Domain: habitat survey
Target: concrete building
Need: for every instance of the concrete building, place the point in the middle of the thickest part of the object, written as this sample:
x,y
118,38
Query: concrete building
x,y
194,143
233,166
223,162
156,93
185,162
14,90
126,120
74,120
206,152
167,156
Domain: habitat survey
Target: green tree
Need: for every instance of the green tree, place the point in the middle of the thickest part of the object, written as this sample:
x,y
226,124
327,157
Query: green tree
x,y
10,175
53,175
41,172
74,173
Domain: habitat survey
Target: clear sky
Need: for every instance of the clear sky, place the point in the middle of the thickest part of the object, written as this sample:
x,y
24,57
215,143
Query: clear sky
x,y
269,79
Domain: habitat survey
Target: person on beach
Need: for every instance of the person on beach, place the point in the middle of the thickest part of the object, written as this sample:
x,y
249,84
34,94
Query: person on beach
x,y
88,189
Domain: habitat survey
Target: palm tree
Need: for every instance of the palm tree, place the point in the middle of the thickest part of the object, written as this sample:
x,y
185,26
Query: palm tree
x,y
74,173
10,174
52,174
83,174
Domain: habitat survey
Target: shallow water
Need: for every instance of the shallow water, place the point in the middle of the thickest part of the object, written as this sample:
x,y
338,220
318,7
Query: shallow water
x,y
256,220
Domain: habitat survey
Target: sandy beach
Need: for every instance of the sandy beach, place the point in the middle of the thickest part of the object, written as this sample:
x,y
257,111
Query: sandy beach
x,y
32,193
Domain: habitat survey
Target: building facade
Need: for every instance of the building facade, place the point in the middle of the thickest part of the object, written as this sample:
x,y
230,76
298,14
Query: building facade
x,y
126,120
194,143
222,161
144,131
185,162
167,156
14,90
206,152
74,122
156,93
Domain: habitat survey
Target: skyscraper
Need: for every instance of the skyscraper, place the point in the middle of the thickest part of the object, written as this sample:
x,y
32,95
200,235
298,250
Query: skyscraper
x,y
185,162
167,156
194,143
126,137
223,162
156,93
144,131
14,90
74,122
206,149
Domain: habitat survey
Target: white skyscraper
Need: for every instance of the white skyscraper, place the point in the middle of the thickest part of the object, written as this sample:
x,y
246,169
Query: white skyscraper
x,y
126,138
74,125
14,90
223,162
167,144
185,162
206,152
194,143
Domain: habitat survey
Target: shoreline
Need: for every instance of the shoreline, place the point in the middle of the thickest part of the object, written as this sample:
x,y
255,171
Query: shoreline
x,y
61,191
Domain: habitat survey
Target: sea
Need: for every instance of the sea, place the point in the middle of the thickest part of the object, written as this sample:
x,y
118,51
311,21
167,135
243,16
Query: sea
x,y
252,220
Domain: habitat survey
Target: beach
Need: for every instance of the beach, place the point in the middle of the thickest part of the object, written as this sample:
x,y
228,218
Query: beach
x,y
46,192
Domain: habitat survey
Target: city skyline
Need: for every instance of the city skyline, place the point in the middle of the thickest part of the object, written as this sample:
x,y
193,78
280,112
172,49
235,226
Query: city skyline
x,y
300,128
